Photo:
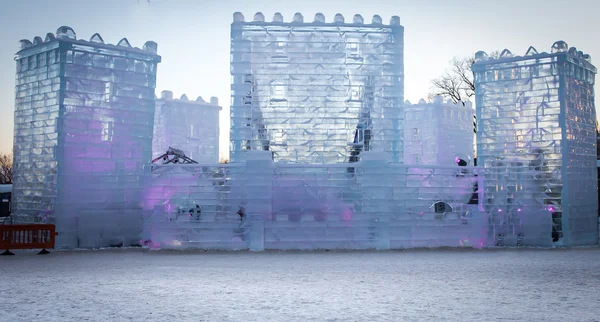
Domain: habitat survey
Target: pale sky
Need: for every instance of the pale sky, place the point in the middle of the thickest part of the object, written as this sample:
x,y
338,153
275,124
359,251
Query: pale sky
x,y
193,35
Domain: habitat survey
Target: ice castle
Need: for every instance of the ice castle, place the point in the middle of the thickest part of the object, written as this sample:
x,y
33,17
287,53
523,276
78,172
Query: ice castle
x,y
317,148
325,153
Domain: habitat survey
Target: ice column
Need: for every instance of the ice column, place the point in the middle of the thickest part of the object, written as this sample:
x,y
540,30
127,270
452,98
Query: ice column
x,y
259,196
377,199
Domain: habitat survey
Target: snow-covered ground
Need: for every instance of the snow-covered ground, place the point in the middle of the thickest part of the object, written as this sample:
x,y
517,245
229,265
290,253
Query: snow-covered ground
x,y
432,285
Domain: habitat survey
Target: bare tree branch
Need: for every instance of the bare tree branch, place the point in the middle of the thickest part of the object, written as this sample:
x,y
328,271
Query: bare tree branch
x,y
458,84
6,168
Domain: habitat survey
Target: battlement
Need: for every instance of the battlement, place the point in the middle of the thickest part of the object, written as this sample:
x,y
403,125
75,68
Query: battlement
x,y
439,101
67,34
559,48
167,95
319,19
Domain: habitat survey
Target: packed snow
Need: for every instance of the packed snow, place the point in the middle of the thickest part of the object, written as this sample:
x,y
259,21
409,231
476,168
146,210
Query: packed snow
x,y
416,285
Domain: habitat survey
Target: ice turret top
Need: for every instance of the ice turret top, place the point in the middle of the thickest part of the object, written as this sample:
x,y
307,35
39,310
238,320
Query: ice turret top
x,y
319,18
558,48
168,96
66,33
439,101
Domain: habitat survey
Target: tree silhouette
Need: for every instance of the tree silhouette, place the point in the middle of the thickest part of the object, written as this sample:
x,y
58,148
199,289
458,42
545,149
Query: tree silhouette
x,y
457,83
6,168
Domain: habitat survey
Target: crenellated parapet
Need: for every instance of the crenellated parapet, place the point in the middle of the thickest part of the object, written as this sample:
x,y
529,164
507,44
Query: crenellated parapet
x,y
559,48
67,34
319,19
167,95
439,101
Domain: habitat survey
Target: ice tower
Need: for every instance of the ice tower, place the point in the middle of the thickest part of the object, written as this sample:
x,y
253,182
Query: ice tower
x,y
438,133
190,126
84,113
536,139
316,91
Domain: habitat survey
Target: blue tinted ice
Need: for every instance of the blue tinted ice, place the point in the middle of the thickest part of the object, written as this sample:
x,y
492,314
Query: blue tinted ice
x,y
536,139
316,93
83,126
190,126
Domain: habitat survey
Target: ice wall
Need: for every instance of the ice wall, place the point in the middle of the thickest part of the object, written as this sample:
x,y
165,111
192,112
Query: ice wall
x,y
37,110
536,139
438,133
316,92
190,126
80,165
370,204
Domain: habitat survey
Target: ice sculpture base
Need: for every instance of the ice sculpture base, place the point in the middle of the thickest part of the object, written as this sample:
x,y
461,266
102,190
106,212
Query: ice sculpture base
x,y
370,204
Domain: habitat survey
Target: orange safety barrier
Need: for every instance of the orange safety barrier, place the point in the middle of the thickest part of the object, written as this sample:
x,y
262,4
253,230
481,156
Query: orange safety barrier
x,y
29,236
